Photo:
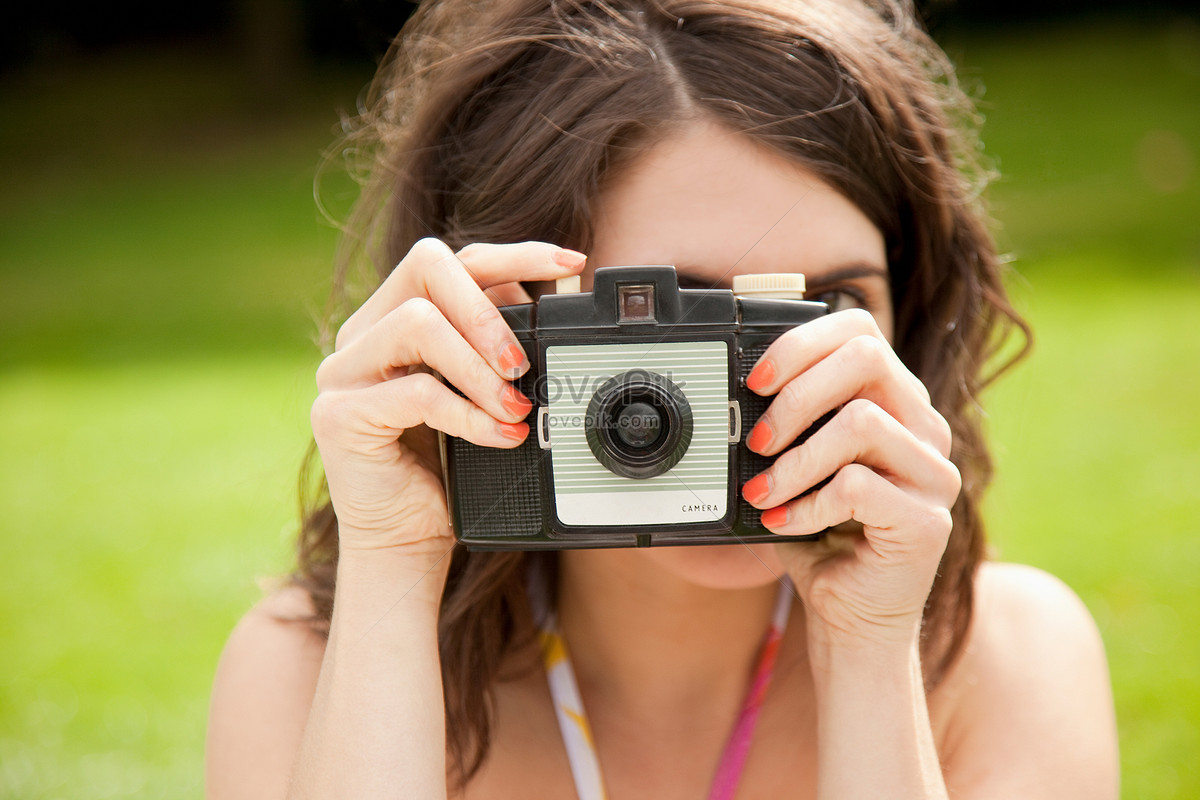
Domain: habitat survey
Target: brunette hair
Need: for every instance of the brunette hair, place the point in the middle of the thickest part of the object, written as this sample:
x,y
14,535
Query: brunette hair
x,y
501,121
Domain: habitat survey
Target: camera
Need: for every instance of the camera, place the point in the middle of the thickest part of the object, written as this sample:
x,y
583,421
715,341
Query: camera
x,y
639,421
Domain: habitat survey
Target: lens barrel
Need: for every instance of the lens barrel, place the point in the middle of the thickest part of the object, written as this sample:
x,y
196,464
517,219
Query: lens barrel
x,y
638,424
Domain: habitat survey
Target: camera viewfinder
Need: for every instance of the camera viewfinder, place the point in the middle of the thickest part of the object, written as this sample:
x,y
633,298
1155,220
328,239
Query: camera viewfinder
x,y
635,303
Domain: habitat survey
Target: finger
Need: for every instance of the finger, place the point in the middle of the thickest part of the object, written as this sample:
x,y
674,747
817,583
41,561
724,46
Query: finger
x,y
802,558
893,520
860,433
418,333
486,265
508,294
379,413
863,367
495,264
800,348
452,289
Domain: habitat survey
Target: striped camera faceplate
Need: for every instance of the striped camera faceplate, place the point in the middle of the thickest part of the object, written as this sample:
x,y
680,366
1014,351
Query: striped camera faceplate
x,y
694,490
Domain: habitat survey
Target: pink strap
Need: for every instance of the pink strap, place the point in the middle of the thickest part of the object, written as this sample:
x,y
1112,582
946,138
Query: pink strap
x,y
733,760
581,750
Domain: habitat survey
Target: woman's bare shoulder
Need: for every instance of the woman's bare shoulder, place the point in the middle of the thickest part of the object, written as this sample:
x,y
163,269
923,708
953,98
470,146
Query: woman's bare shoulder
x,y
262,693
277,636
1015,602
1032,711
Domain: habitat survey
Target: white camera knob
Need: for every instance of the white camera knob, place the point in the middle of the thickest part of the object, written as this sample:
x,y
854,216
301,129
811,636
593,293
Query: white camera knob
x,y
771,285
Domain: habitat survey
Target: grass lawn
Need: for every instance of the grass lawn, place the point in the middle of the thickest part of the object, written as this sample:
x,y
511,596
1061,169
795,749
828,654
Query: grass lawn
x,y
160,258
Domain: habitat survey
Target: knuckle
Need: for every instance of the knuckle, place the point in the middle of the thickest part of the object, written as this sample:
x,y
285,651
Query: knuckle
x,y
325,372
471,251
945,519
943,435
326,411
471,419
482,376
953,479
860,418
936,522
922,390
853,483
822,591
418,314
484,313
447,411
868,350
429,249
423,391
859,319
343,333
929,526
785,466
794,394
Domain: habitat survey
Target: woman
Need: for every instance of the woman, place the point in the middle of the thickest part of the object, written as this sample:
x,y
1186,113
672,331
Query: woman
x,y
524,141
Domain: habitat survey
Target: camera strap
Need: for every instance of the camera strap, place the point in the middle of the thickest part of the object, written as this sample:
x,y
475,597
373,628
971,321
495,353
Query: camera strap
x,y
577,733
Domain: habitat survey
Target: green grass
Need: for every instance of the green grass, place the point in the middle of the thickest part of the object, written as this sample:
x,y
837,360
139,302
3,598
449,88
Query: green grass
x,y
160,257
160,261
141,501
1097,133
1098,445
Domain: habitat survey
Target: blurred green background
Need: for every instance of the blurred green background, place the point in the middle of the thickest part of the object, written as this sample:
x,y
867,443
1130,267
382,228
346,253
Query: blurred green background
x,y
162,261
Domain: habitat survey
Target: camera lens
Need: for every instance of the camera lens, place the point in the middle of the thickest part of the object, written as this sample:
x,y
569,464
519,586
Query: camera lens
x,y
639,424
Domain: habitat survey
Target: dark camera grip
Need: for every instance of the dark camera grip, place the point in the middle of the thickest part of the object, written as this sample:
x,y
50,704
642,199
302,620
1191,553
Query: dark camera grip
x,y
754,406
498,491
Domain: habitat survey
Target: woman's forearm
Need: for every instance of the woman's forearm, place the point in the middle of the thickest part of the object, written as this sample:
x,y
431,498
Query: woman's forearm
x,y
874,736
377,724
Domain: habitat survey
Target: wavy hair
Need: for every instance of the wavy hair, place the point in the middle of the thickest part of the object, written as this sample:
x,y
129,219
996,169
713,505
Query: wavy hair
x,y
503,120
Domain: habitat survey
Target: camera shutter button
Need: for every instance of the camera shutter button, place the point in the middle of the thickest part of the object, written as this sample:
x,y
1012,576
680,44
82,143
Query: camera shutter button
x,y
568,285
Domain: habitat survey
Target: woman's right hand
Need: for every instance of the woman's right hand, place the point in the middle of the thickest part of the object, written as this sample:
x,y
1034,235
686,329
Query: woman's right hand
x,y
378,405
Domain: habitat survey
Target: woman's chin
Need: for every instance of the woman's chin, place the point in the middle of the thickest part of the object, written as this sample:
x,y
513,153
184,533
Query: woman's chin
x,y
738,566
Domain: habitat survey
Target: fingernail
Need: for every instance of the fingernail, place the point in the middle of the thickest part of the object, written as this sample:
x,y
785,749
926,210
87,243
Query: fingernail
x,y
512,357
775,517
761,376
516,431
570,259
757,488
760,438
514,402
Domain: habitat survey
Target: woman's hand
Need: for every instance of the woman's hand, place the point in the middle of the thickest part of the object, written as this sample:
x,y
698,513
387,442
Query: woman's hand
x,y
379,405
888,452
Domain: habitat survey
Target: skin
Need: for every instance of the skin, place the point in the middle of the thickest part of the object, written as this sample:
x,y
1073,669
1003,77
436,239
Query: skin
x,y
663,640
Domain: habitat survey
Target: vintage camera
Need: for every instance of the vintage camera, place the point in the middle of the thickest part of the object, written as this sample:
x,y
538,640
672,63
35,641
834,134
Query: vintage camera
x,y
640,417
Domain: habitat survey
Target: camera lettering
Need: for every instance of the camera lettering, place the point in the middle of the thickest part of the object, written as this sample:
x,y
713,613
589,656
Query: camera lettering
x,y
692,508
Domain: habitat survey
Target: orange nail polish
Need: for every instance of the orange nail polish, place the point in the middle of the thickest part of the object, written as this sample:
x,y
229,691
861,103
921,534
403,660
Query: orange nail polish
x,y
760,438
517,431
514,402
775,517
757,488
761,376
512,357
570,259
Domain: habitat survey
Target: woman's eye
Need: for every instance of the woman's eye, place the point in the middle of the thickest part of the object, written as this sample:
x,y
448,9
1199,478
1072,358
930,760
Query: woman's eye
x,y
838,299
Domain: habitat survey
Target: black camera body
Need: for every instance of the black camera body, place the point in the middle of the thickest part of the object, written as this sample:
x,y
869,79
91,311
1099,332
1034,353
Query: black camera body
x,y
639,421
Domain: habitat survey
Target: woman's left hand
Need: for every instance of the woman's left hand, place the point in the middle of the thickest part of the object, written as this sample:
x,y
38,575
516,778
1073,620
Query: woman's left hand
x,y
888,451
